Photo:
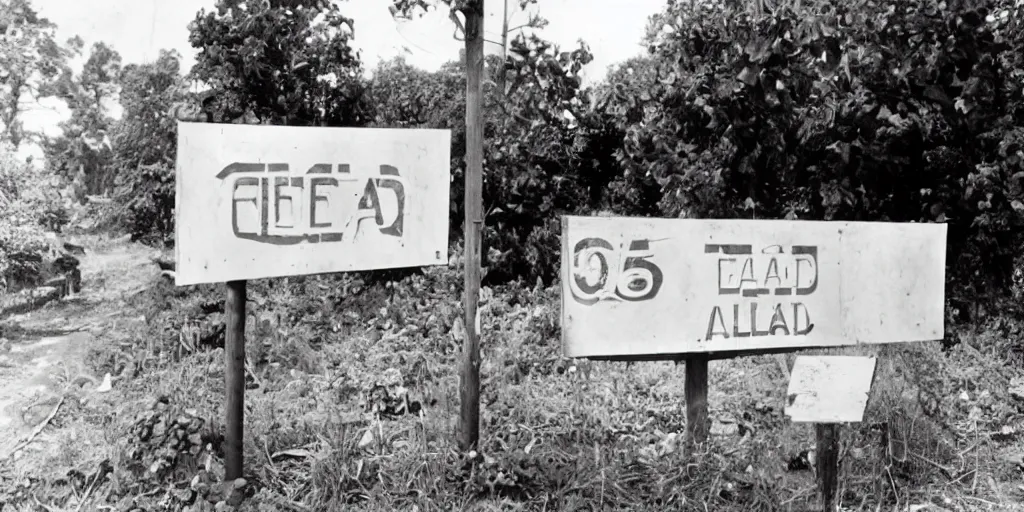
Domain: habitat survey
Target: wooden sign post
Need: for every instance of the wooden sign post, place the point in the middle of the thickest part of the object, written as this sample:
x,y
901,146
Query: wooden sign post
x,y
695,392
262,201
650,289
829,391
234,378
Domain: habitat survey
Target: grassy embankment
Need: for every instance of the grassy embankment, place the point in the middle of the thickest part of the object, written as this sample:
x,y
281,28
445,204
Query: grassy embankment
x,y
354,400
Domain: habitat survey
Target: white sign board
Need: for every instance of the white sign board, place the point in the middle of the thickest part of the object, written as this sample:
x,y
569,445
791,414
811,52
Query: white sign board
x,y
268,201
641,287
829,389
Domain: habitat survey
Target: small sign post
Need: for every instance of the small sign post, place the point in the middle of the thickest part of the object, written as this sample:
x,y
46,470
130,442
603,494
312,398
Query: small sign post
x,y
828,391
234,378
695,392
655,289
263,201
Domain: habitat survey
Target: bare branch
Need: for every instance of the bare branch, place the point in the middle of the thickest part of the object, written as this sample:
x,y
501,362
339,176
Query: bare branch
x,y
459,27
528,24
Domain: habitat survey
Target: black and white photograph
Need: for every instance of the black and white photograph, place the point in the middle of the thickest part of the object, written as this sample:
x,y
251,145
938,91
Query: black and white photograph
x,y
511,255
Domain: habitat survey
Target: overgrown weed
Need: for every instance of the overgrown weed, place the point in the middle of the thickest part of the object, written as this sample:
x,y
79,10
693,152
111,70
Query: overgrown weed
x,y
353,403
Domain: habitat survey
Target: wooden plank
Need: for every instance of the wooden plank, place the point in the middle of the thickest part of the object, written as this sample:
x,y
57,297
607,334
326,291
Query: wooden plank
x,y
639,288
234,379
696,393
827,464
469,386
829,389
265,201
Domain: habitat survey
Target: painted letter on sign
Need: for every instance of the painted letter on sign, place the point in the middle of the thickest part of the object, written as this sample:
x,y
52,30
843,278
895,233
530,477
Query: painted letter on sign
x,y
654,288
283,210
268,201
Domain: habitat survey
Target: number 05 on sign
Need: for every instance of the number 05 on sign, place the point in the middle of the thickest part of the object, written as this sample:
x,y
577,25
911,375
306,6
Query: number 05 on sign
x,y
637,287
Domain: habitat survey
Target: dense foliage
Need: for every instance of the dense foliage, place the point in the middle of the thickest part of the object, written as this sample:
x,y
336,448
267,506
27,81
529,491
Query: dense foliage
x,y
82,153
900,111
865,111
286,62
31,61
540,161
535,157
351,401
32,65
145,142
30,206
903,112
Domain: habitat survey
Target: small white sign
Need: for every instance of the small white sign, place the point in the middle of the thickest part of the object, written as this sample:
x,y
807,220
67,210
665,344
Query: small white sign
x,y
829,389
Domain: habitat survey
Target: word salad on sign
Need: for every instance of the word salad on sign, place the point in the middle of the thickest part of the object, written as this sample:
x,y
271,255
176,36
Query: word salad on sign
x,y
772,279
270,201
638,288
271,206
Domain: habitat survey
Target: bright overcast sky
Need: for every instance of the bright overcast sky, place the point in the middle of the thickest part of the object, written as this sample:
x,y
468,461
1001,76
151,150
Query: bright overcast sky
x,y
138,29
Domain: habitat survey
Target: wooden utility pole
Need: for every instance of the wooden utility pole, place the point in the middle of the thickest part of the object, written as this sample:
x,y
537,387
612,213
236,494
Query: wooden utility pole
x,y
469,414
234,381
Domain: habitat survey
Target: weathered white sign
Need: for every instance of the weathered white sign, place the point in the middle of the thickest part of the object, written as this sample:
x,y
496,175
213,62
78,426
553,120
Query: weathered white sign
x,y
268,201
636,287
829,389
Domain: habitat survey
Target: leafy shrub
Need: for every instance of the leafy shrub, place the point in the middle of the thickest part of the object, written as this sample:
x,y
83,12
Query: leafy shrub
x,y
22,251
147,196
145,142
288,63
29,206
81,154
862,111
538,160
54,217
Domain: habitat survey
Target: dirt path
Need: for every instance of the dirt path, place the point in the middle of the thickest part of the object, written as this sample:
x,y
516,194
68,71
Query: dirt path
x,y
43,359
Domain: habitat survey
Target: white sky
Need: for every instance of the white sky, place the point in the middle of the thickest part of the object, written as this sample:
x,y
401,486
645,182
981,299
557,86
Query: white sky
x,y
138,29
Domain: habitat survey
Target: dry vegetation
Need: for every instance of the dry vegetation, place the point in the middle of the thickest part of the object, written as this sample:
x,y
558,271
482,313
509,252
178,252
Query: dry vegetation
x,y
353,395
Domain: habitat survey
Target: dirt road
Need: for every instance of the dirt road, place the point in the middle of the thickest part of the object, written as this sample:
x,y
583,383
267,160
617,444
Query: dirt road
x,y
43,374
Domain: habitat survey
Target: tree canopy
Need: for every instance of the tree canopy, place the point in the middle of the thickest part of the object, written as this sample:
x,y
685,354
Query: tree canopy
x,y
286,62
862,111
145,144
82,152
31,60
